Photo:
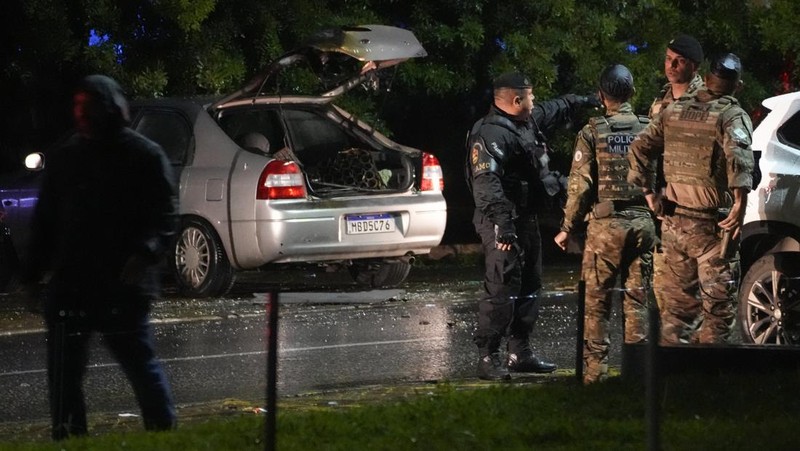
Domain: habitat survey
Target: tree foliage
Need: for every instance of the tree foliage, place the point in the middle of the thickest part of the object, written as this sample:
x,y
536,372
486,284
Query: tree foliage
x,y
208,47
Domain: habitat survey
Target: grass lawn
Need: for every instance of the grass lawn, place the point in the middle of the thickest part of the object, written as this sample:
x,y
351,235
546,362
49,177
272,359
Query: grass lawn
x,y
698,412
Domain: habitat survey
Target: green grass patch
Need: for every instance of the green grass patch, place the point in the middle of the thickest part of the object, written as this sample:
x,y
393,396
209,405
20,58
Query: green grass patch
x,y
703,412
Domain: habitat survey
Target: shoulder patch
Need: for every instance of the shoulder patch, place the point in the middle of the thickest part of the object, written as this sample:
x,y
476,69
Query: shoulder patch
x,y
476,149
739,135
578,155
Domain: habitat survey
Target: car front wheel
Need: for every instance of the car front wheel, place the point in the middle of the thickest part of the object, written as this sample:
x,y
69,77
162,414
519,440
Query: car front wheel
x,y
199,262
769,300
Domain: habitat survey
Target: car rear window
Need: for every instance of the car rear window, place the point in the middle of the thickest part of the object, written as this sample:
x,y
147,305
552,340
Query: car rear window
x,y
789,132
315,137
239,122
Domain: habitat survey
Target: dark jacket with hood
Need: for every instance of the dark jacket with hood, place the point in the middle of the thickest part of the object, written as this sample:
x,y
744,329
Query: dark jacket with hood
x,y
103,199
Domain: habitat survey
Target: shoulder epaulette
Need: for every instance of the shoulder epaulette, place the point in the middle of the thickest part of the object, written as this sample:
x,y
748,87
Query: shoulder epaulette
x,y
504,122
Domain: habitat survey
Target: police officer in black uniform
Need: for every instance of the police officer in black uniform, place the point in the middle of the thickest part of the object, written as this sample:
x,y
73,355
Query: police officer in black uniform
x,y
508,173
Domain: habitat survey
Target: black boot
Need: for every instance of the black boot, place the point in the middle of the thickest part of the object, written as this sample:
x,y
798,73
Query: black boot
x,y
526,361
490,367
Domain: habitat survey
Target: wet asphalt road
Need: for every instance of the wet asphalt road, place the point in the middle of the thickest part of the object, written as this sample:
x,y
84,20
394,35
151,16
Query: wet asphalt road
x,y
420,331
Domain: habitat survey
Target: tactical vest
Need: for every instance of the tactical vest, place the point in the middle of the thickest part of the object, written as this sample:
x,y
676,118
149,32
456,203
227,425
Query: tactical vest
x,y
613,136
515,169
690,135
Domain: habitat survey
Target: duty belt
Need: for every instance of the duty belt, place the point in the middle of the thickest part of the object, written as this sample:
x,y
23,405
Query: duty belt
x,y
620,205
699,213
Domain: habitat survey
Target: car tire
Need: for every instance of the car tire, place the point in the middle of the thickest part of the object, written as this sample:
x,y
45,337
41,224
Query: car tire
x,y
199,263
769,300
379,274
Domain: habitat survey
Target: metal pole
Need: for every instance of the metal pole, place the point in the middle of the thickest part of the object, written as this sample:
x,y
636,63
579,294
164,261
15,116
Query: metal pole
x,y
59,429
652,381
579,337
270,431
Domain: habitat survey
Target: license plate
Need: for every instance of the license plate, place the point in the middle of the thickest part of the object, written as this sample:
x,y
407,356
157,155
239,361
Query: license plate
x,y
374,223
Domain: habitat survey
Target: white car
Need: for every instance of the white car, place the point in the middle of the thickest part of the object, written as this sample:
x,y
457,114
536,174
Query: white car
x,y
769,295
270,176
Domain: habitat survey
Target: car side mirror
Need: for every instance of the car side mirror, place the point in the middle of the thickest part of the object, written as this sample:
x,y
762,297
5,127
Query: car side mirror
x,y
35,161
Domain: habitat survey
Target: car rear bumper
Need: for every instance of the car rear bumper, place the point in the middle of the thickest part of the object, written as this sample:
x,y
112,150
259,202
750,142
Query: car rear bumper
x,y
304,232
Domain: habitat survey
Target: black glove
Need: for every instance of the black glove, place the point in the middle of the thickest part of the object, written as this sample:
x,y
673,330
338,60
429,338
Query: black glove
x,y
592,100
505,235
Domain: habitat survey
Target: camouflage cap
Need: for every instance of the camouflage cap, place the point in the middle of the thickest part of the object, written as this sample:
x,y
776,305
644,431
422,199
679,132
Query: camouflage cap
x,y
513,80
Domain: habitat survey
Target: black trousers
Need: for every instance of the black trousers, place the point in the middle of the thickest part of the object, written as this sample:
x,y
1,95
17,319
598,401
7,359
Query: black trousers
x,y
512,282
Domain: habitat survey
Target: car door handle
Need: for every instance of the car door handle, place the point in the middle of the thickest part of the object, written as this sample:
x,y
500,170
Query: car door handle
x,y
10,203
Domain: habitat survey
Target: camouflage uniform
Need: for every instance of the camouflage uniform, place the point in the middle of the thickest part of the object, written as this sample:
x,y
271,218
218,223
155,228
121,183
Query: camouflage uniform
x,y
620,235
665,98
705,142
658,105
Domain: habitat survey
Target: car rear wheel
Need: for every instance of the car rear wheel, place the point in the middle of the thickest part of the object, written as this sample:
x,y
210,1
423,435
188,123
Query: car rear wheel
x,y
380,274
769,300
200,265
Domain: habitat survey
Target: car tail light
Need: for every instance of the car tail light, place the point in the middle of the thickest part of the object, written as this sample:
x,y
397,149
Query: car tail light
x,y
432,179
281,180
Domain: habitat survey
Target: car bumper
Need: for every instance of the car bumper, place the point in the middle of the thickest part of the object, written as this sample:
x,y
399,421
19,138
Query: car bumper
x,y
293,231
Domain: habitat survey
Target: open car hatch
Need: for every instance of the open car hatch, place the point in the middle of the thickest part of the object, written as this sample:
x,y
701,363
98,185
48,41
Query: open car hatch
x,y
341,58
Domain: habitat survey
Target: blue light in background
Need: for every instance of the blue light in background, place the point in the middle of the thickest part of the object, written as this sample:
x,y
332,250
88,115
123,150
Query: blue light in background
x,y
501,43
634,49
95,39
98,39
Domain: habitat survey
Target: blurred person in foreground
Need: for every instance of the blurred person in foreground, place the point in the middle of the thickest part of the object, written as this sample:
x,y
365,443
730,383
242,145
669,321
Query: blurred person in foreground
x,y
621,235
508,174
107,211
704,140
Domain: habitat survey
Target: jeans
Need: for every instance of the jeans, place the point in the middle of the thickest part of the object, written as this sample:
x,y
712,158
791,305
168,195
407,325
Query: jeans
x,y
126,331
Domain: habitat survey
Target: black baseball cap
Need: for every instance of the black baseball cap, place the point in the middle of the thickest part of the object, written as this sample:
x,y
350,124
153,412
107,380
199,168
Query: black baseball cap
x,y
514,80
687,46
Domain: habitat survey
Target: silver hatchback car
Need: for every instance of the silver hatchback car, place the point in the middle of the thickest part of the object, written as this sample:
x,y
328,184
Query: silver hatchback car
x,y
268,177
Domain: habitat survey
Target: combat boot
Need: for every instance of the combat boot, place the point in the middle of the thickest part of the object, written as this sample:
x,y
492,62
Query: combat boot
x,y
526,361
491,367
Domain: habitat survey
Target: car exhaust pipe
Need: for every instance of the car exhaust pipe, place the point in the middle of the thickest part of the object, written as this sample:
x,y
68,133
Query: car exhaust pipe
x,y
408,259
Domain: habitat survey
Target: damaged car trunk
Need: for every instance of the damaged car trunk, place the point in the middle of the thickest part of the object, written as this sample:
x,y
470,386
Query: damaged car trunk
x,y
338,154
